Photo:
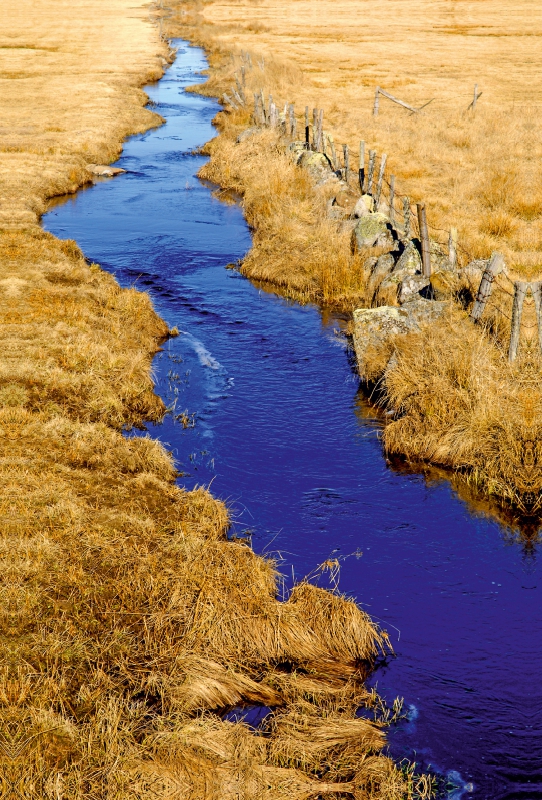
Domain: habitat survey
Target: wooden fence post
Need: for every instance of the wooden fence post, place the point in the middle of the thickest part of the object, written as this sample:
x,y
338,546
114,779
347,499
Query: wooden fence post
x,y
262,100
307,130
375,104
371,171
292,121
452,247
380,180
314,128
475,98
320,145
256,109
520,290
361,171
536,290
391,213
424,236
406,216
346,156
495,266
333,154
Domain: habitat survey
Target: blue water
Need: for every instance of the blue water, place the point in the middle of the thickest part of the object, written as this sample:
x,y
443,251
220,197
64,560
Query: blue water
x,y
282,433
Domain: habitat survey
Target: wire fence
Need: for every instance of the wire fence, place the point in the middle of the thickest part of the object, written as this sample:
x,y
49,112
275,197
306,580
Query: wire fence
x,y
502,299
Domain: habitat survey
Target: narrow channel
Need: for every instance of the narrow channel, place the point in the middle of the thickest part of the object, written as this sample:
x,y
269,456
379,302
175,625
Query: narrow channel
x,y
276,424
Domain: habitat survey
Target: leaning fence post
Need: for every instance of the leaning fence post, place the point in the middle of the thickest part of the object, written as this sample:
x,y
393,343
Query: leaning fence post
x,y
371,171
361,172
406,216
424,236
375,104
380,180
452,247
520,290
315,128
391,212
536,290
307,128
333,153
495,266
346,156
475,98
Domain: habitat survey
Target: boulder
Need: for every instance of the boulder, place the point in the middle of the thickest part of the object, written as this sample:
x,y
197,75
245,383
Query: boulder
x,y
410,287
382,268
246,134
104,170
318,165
373,230
409,263
375,330
364,206
297,149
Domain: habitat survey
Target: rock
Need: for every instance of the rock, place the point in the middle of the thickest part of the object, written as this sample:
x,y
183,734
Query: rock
x,y
318,165
246,134
364,206
382,268
371,230
409,263
104,171
345,199
410,287
375,330
297,149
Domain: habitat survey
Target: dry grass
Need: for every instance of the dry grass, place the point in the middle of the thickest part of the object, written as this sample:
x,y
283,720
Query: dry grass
x,y
129,622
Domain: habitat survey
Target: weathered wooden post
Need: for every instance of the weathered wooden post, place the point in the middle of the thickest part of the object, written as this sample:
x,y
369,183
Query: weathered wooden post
x,y
424,236
452,247
292,121
406,216
269,112
376,102
262,101
307,128
333,154
475,98
314,128
361,171
256,109
273,116
520,290
346,156
320,146
536,290
494,268
391,213
371,171
380,180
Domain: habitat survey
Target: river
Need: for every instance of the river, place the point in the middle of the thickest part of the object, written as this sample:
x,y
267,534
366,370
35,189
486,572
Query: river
x,y
281,432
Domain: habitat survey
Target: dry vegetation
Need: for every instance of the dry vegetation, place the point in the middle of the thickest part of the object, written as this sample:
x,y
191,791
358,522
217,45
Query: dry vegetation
x,y
129,621
457,402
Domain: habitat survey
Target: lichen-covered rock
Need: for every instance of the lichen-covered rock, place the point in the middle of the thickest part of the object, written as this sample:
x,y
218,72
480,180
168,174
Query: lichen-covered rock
x,y
364,206
297,149
410,262
410,287
373,230
376,329
382,268
318,165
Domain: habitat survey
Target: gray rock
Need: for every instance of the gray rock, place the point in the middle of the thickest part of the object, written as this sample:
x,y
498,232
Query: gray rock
x,y
246,134
382,268
371,230
411,286
318,165
364,206
376,328
104,170
297,149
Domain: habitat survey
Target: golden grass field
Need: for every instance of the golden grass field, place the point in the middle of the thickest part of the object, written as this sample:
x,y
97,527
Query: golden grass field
x,y
129,622
457,402
479,172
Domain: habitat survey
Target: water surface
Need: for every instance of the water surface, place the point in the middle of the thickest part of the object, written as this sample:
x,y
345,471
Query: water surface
x,y
281,433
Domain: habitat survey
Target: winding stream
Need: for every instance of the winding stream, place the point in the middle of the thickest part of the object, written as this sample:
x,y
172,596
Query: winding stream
x,y
281,433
